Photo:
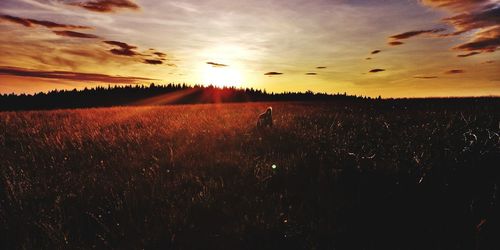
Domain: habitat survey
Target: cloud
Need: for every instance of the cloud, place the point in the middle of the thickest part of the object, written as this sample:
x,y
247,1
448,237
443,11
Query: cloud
x,y
376,52
32,22
123,48
481,16
413,33
106,5
376,70
457,5
395,43
272,73
311,73
368,58
474,20
321,67
160,54
152,61
468,54
484,41
70,75
69,33
217,65
425,77
455,71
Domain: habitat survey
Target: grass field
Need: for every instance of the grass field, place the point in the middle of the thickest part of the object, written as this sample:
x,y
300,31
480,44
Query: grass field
x,y
345,176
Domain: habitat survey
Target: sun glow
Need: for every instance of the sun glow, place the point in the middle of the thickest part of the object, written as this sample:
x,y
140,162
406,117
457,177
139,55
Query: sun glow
x,y
221,76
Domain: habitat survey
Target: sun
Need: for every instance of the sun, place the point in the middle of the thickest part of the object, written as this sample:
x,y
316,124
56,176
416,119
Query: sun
x,y
221,76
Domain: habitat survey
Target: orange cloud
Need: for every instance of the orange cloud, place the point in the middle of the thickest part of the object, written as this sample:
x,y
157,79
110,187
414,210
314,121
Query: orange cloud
x,y
395,43
484,41
469,15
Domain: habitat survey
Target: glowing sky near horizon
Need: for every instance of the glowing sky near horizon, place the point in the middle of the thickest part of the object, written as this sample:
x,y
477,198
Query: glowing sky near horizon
x,y
392,48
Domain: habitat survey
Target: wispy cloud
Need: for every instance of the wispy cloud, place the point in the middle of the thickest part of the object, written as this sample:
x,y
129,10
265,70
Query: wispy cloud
x,y
160,54
471,15
27,22
273,73
153,61
376,70
217,65
70,75
395,43
123,49
454,71
468,54
106,5
484,41
425,77
395,39
75,34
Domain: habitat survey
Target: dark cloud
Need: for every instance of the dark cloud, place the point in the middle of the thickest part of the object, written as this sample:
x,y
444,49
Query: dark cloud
x,y
413,33
123,48
32,22
454,71
152,61
468,54
484,41
473,20
376,70
217,65
395,43
69,33
311,73
69,75
469,16
160,54
425,77
376,52
105,5
321,67
368,58
272,73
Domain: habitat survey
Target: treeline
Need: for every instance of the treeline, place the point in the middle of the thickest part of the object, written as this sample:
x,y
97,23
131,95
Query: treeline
x,y
135,95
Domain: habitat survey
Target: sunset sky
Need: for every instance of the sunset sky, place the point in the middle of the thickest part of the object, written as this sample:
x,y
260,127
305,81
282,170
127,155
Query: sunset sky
x,y
393,48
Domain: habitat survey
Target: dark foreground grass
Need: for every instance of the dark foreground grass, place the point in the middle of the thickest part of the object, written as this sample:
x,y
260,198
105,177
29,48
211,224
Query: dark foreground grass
x,y
375,175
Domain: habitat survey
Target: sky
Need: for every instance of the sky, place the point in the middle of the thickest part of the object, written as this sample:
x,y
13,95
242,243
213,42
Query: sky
x,y
392,48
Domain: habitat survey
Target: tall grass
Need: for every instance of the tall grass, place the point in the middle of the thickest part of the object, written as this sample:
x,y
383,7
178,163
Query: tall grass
x,y
201,177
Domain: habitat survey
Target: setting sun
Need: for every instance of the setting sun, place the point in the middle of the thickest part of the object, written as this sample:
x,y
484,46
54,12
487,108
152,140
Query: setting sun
x,y
221,75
